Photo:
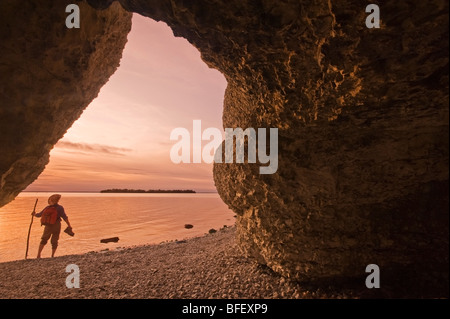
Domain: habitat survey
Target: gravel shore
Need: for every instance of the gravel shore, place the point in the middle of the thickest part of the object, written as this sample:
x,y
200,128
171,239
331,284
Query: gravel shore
x,y
203,267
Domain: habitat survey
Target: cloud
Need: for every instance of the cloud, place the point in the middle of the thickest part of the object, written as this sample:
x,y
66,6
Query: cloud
x,y
93,148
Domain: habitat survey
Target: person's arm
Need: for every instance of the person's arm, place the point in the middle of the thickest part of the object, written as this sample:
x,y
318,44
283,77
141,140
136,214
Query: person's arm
x,y
63,215
67,221
38,214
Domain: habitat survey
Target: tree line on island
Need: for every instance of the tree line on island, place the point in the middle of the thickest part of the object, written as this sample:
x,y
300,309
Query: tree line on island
x,y
126,190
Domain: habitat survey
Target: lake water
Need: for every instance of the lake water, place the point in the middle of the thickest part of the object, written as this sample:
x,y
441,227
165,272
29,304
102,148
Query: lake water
x,y
136,219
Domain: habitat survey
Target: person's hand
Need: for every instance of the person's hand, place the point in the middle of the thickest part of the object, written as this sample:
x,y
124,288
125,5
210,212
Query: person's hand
x,y
33,213
69,231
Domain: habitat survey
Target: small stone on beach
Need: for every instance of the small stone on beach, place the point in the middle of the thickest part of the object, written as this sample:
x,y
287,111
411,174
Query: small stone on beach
x,y
108,240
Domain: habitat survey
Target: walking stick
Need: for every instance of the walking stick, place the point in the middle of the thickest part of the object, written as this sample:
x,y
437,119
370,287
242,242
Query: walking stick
x,y
29,229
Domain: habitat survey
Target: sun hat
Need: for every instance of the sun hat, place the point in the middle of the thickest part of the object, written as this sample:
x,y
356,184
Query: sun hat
x,y
54,199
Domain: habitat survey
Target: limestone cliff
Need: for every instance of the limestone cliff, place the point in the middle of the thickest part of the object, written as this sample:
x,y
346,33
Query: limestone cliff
x,y
363,125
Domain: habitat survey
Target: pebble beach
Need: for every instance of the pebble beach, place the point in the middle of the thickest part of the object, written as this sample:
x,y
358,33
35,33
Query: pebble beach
x,y
207,267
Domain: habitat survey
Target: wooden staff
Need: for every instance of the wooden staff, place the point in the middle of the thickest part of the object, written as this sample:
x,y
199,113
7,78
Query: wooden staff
x,y
29,229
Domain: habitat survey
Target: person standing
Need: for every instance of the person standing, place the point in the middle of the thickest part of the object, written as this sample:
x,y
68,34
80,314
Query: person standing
x,y
51,217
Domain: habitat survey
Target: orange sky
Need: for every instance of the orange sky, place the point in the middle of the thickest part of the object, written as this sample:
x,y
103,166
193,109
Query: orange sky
x,y
122,140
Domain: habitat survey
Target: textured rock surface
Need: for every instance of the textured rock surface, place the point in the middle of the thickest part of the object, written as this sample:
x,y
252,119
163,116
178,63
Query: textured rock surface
x,y
363,124
49,74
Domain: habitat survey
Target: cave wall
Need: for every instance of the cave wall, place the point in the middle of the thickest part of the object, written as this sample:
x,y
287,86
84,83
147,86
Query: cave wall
x,y
363,129
49,74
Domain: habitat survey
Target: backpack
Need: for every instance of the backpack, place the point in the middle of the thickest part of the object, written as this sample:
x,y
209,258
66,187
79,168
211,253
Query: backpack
x,y
49,215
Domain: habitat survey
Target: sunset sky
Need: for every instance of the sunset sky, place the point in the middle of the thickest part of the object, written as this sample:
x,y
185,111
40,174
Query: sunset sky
x,y
122,140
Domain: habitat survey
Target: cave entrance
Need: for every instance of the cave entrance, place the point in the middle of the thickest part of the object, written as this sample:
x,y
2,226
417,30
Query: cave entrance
x,y
122,140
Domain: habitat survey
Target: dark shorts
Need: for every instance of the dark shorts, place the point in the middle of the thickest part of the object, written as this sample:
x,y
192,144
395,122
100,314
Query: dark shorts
x,y
52,231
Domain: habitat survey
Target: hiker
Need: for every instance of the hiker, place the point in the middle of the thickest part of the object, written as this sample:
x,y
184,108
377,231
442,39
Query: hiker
x,y
51,217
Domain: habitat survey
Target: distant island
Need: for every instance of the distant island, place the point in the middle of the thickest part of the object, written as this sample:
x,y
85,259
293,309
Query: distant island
x,y
116,190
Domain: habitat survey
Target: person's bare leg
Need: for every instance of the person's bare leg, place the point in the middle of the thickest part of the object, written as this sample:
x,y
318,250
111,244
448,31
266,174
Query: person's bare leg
x,y
53,252
40,250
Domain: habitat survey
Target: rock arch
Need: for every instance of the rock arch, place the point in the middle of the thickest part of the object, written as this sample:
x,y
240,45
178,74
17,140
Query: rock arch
x,y
362,117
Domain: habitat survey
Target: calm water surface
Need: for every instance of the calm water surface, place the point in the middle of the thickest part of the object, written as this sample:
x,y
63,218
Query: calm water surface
x,y
136,219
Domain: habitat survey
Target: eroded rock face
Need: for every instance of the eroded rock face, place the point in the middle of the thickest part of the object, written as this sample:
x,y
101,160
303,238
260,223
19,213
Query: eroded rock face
x,y
49,74
363,129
